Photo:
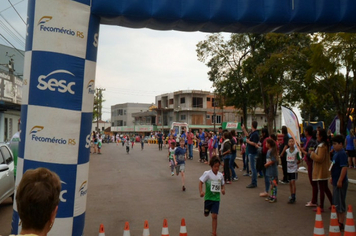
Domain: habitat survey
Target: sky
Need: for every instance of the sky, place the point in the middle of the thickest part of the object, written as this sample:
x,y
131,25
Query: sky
x,y
133,65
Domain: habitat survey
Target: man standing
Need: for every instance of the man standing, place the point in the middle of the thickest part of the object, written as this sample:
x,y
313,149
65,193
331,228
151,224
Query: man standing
x,y
219,136
160,140
190,138
252,145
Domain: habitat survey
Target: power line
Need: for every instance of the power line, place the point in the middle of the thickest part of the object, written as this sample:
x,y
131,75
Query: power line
x,y
19,41
12,45
12,27
17,12
10,7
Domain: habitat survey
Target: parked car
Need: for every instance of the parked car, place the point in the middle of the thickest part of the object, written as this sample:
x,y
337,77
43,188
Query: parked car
x,y
7,178
14,146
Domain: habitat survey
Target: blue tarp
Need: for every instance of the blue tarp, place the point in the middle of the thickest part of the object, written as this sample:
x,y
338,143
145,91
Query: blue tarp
x,y
239,16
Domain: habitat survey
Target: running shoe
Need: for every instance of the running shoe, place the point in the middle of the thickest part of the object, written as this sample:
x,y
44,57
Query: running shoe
x,y
228,182
273,200
235,179
183,188
291,201
268,198
172,173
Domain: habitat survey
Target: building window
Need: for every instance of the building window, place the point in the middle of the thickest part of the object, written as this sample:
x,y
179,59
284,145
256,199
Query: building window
x,y
124,123
208,99
218,119
119,123
112,123
208,117
214,102
119,112
171,101
198,102
182,100
182,117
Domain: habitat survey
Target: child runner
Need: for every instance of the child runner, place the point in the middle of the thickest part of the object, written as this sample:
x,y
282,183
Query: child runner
x,y
271,169
180,155
171,152
293,159
214,184
127,142
100,142
339,179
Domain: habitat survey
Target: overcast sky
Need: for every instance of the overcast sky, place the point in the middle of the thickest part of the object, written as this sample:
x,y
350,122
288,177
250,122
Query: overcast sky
x,y
133,65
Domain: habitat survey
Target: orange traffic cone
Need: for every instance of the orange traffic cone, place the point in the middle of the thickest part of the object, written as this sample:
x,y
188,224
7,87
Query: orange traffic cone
x,y
165,228
127,229
101,230
334,229
146,230
350,224
319,226
183,228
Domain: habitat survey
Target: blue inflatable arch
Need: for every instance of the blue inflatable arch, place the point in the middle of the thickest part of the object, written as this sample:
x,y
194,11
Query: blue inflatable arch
x,y
60,61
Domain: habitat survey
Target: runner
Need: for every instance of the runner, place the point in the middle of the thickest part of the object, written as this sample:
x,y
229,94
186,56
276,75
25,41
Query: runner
x,y
180,155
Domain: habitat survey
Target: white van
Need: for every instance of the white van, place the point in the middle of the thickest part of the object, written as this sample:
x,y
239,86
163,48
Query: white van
x,y
178,127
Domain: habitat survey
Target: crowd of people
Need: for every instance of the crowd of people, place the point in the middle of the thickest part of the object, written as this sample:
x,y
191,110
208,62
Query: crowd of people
x,y
326,157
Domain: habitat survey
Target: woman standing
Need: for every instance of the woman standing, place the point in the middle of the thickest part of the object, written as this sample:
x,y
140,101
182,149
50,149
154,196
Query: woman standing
x,y
310,145
321,166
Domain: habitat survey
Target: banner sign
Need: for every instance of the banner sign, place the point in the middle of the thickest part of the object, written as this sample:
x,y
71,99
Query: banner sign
x,y
291,121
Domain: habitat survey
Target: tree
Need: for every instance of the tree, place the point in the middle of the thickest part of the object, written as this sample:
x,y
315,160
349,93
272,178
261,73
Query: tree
x,y
98,101
250,70
333,70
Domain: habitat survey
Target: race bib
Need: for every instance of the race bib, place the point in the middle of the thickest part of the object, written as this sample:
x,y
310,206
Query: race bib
x,y
290,158
215,186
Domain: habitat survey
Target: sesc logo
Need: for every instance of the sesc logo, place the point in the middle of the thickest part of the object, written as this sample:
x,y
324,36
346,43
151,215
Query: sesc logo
x,y
83,188
87,141
64,191
53,84
90,87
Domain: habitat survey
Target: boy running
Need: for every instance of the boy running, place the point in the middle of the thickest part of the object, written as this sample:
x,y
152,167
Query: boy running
x,y
100,142
339,179
293,159
214,184
180,155
171,152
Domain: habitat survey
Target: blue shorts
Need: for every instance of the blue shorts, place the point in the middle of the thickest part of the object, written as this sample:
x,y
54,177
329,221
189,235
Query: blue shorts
x,y
211,206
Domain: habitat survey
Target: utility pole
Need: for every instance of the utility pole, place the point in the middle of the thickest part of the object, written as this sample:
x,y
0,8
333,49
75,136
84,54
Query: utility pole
x,y
99,96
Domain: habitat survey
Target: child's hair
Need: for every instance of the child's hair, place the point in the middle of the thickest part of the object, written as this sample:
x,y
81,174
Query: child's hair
x,y
274,137
174,143
338,139
273,146
214,159
241,141
181,140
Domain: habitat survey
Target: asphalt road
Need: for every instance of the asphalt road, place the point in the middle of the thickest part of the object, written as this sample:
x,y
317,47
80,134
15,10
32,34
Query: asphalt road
x,y
138,186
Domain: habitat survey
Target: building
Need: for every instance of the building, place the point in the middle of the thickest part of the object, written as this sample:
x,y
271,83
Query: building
x,y
122,119
197,108
11,72
194,107
100,125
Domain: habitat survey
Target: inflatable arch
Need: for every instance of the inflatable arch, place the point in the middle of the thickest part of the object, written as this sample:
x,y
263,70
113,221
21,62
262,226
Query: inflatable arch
x,y
60,61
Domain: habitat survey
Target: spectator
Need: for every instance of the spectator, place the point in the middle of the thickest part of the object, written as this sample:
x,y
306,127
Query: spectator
x,y
37,200
321,166
350,149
